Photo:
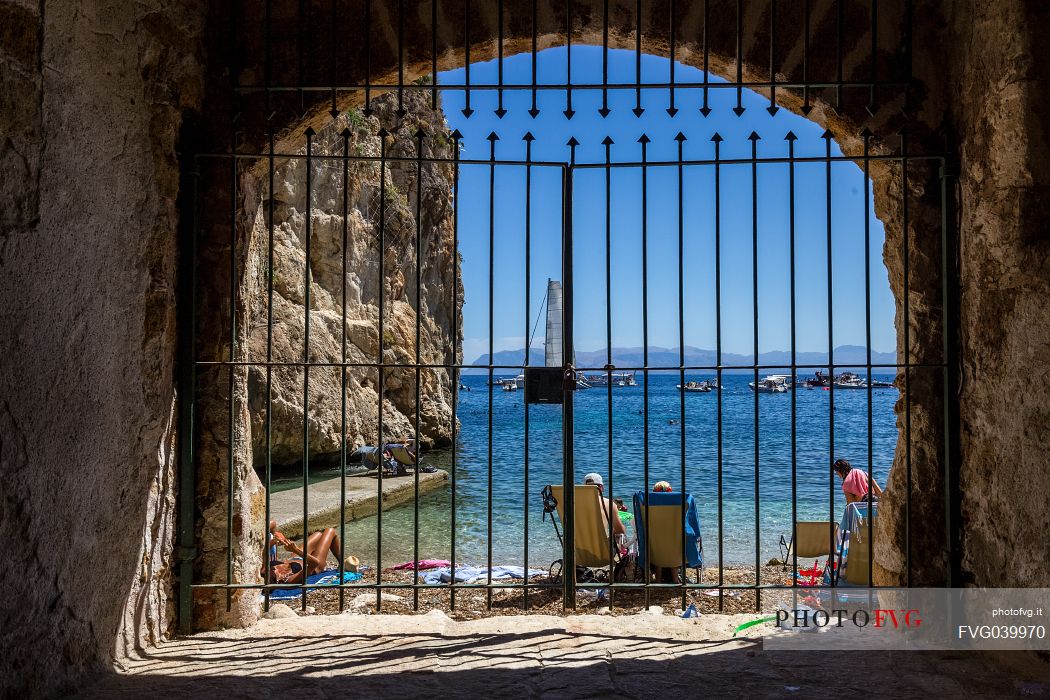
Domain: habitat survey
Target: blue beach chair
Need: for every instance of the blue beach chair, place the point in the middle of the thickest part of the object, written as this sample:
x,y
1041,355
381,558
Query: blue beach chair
x,y
664,545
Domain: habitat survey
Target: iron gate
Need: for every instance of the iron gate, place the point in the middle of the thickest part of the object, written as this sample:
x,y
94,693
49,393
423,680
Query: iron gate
x,y
218,364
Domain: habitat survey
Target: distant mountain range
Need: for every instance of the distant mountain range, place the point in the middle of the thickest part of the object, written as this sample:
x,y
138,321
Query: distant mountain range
x,y
852,357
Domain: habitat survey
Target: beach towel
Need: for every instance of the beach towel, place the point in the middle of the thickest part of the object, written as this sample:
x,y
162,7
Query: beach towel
x,y
424,565
474,574
323,578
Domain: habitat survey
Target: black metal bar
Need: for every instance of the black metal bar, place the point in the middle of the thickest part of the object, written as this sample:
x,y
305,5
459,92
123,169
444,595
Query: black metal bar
x,y
271,167
827,136
187,390
231,433
671,28
300,47
952,376
754,139
492,138
306,358
604,111
717,139
680,138
433,55
838,57
907,355
806,107
739,109
456,138
342,378
418,444
500,111
380,385
635,368
400,59
644,140
638,60
866,135
561,87
534,110
333,24
772,108
528,138
791,138
874,54
568,112
608,142
467,111
368,59
568,469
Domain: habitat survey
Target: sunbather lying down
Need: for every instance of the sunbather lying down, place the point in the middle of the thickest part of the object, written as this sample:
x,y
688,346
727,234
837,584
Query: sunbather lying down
x,y
318,547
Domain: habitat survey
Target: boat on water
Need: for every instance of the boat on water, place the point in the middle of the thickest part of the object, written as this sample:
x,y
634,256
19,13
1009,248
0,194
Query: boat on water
x,y
695,387
849,380
879,384
772,384
510,386
614,379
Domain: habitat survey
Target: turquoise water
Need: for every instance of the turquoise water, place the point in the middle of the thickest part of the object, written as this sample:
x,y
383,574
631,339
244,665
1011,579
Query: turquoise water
x,y
508,477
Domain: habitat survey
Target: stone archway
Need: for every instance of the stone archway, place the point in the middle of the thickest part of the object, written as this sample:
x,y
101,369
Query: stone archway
x,y
297,112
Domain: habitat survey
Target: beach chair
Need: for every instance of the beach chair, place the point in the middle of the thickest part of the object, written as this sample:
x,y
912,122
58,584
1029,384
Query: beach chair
x,y
811,540
856,550
664,546
590,533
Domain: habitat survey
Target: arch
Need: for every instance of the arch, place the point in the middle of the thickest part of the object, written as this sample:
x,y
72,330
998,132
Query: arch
x,y
799,57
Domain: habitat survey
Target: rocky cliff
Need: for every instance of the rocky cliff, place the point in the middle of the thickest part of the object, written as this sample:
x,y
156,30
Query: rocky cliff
x,y
362,225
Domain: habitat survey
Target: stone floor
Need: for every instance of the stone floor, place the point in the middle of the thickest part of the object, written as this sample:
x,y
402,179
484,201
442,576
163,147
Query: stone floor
x,y
539,656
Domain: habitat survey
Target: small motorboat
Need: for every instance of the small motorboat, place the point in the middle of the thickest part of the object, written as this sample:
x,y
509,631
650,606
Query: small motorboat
x,y
695,387
771,384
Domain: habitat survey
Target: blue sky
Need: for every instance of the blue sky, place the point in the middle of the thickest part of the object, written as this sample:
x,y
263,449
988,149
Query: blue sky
x,y
552,130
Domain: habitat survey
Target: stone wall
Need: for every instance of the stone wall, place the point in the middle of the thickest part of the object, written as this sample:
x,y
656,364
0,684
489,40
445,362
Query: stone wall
x,y
91,99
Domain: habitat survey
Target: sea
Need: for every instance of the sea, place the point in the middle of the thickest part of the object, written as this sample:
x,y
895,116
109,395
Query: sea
x,y
497,503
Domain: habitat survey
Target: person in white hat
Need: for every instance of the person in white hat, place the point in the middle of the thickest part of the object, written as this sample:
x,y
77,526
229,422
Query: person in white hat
x,y
618,527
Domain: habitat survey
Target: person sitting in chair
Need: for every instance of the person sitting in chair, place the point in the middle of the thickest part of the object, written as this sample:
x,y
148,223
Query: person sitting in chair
x,y
618,527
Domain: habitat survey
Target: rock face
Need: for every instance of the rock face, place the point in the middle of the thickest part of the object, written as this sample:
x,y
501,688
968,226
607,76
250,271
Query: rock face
x,y
354,208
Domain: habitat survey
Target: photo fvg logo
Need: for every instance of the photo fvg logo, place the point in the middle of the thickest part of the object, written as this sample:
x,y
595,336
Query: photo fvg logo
x,y
879,618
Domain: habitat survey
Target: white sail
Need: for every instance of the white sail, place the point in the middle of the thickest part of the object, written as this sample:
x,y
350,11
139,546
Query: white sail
x,y
553,343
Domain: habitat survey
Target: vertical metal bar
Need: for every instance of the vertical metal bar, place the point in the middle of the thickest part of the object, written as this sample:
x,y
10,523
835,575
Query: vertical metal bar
x,y
831,350
909,15
950,315
772,108
705,108
467,111
534,110
306,359
368,58
568,469
342,370
607,142
492,138
303,20
268,59
791,138
528,348
400,58
874,55
838,58
187,388
380,388
754,138
644,140
271,167
604,111
907,357
333,25
420,134
866,135
717,139
433,55
456,137
680,138
638,61
231,432
806,107
739,109
569,112
671,110
500,111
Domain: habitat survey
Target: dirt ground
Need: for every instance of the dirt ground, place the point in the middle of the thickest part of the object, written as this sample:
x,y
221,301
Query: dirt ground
x,y
544,596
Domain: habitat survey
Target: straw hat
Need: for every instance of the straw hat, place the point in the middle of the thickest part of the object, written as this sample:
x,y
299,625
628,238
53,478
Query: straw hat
x,y
351,563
